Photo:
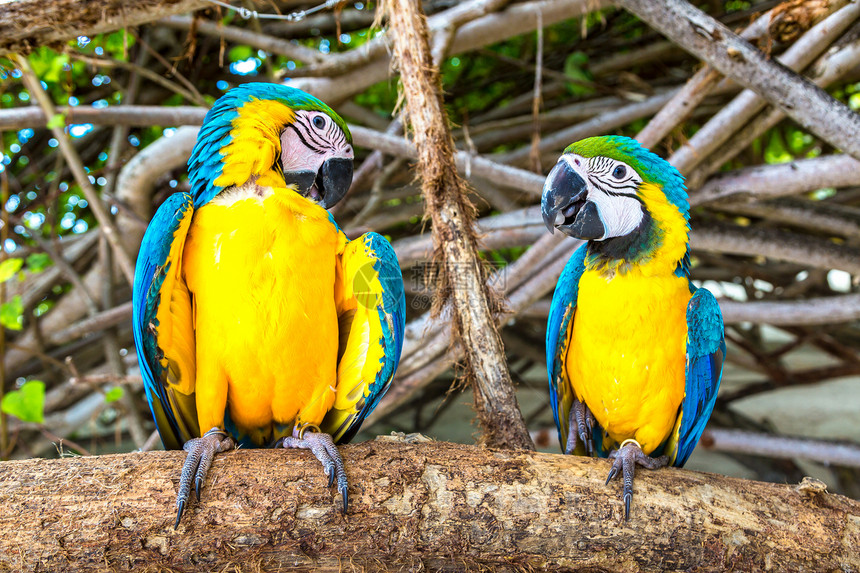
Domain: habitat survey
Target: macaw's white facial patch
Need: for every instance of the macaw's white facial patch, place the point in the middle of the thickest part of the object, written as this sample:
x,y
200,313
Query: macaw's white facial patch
x,y
612,186
311,139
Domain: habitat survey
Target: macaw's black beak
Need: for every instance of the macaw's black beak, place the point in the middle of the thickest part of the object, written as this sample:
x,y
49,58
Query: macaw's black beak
x,y
565,205
333,181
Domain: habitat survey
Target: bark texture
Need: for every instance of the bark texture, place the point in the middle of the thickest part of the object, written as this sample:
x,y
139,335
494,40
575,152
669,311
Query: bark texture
x,y
412,505
796,96
460,275
28,24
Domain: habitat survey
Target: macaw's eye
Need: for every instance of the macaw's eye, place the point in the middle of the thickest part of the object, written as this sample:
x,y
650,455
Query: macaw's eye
x,y
619,172
319,122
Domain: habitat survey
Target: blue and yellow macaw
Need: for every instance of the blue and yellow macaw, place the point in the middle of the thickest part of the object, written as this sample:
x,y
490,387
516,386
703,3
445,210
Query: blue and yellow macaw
x,y
634,351
256,320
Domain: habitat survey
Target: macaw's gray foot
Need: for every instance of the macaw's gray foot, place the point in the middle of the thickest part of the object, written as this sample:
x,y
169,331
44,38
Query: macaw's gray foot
x,y
201,452
579,428
624,460
322,446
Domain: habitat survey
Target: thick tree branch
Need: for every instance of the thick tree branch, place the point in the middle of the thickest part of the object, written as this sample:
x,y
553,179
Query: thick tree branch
x,y
769,181
742,108
708,39
413,505
25,24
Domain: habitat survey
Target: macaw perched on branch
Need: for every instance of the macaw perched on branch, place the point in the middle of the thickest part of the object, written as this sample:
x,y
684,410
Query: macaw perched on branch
x,y
634,350
256,320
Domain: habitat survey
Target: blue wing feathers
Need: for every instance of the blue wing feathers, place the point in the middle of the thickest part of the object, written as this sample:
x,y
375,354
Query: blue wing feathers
x,y
392,317
152,264
561,314
706,350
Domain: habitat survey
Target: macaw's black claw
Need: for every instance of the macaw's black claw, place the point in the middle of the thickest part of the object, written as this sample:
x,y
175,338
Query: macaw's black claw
x,y
322,446
345,495
624,461
201,452
580,424
612,474
180,507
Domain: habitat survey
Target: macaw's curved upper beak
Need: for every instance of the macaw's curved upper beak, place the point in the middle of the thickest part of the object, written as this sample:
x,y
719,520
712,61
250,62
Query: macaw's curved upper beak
x,y
333,181
565,205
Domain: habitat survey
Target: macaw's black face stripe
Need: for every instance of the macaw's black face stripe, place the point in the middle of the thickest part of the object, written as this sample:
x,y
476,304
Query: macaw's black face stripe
x,y
320,139
313,133
605,171
601,184
303,139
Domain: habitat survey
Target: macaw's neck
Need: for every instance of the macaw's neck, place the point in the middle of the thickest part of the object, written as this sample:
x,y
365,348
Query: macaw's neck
x,y
255,147
658,246
240,147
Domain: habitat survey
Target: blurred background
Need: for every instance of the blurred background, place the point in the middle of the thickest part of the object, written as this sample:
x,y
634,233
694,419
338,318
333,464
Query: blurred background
x,y
775,218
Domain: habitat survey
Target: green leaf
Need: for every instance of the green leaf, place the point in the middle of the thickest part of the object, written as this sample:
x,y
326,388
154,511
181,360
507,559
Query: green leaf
x,y
114,394
9,267
575,68
27,403
237,53
59,121
12,313
38,262
775,152
117,42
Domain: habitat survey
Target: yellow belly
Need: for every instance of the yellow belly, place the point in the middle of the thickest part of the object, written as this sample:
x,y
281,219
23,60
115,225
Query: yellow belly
x,y
626,353
261,270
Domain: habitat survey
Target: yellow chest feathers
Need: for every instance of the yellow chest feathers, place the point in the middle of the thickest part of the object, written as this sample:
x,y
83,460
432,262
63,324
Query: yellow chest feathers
x,y
626,352
262,265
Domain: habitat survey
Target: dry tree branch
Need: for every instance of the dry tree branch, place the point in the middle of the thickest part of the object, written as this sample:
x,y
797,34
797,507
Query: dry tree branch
x,y
106,223
810,311
769,181
697,88
597,125
757,444
713,42
25,24
494,27
461,277
816,216
414,504
140,115
830,67
152,76
740,110
242,36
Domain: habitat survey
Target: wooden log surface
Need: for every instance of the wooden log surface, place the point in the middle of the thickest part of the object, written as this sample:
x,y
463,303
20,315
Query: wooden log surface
x,y
28,24
413,505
